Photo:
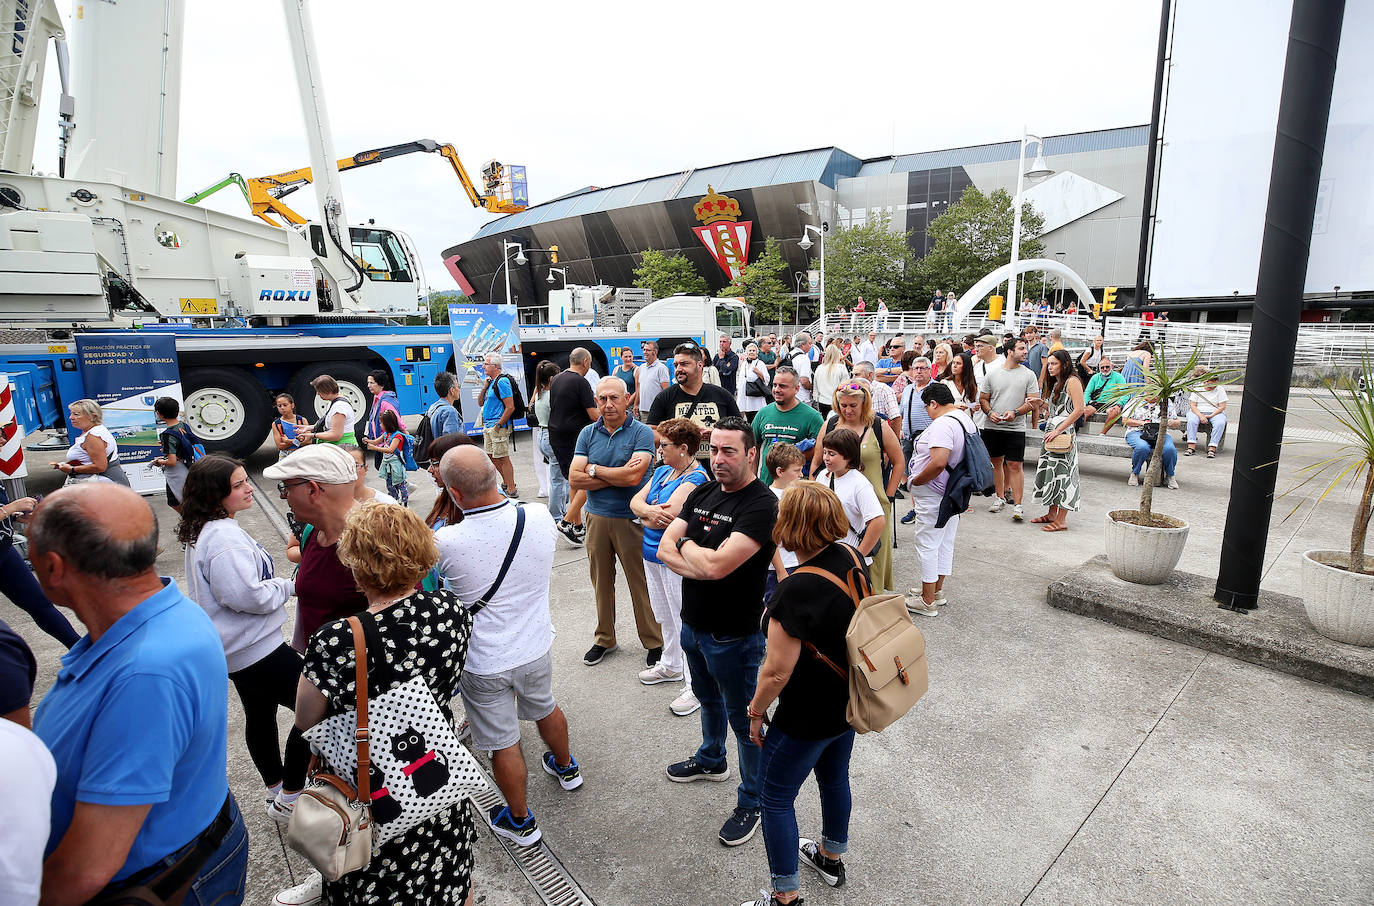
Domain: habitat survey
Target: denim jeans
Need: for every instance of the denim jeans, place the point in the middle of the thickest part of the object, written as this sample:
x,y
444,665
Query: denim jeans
x,y
222,880
558,482
786,763
1140,453
1218,421
724,672
18,584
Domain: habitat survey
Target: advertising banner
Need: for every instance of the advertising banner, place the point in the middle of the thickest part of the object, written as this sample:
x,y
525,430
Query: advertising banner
x,y
125,374
813,281
480,329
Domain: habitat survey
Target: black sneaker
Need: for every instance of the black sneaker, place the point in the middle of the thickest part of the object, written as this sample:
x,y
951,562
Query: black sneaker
x,y
689,770
740,827
768,898
524,833
909,518
596,653
830,870
570,531
653,656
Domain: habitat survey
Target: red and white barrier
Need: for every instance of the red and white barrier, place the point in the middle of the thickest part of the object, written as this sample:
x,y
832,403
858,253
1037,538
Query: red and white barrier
x,y
11,437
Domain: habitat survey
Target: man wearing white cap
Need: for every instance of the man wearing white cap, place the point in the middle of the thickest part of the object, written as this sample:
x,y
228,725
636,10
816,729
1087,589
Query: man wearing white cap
x,y
317,483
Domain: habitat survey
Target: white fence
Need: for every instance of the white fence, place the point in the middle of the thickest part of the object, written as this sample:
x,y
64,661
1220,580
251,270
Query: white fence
x,y
1223,345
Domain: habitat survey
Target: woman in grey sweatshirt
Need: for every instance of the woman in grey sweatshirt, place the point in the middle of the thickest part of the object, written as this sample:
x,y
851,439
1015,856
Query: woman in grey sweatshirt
x,y
232,578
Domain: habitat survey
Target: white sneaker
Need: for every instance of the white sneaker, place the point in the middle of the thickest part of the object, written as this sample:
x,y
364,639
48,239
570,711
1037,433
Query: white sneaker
x,y
940,599
659,673
307,893
918,607
1018,514
280,811
685,704
1173,483
1134,480
997,504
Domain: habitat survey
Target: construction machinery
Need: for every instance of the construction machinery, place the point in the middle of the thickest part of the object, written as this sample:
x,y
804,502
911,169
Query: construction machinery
x,y
505,188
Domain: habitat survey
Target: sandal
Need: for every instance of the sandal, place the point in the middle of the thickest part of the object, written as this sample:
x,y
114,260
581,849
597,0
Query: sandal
x,y
1211,454
1191,451
1054,527
1042,520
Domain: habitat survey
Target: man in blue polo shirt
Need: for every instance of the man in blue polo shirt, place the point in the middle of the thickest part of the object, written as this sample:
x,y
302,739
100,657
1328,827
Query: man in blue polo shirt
x,y
137,718
611,463
498,419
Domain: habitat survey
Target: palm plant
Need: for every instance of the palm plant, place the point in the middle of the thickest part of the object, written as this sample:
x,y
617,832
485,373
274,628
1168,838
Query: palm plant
x,y
1353,409
1163,380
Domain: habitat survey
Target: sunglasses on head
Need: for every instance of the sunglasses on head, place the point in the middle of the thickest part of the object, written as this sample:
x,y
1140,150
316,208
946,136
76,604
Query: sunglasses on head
x,y
688,348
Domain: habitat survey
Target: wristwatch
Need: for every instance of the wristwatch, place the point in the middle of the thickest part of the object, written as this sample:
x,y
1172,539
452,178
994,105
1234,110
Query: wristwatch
x,y
591,470
682,541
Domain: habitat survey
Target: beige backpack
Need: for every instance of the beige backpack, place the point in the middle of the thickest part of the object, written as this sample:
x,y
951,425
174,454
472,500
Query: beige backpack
x,y
887,654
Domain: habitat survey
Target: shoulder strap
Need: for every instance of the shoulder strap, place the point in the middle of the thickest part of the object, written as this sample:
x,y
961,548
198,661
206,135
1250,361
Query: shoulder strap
x,y
855,592
505,564
361,736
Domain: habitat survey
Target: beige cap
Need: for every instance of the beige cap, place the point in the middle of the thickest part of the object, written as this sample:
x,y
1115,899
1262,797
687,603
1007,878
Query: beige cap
x,y
325,463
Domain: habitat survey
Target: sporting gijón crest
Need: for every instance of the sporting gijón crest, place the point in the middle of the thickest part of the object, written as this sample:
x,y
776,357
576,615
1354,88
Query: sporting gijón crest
x,y
722,232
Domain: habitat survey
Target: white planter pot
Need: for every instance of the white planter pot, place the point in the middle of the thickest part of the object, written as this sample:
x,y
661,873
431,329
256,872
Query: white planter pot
x,y
1339,603
1143,554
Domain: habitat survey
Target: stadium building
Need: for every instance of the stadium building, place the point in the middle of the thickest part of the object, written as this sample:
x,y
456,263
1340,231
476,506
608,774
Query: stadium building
x,y
719,216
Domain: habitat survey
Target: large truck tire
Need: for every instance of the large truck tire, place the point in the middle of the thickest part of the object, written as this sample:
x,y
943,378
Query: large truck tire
x,y
352,380
227,409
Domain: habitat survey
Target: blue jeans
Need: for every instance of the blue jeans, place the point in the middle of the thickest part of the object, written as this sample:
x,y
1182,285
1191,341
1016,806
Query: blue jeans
x,y
1218,421
786,763
223,879
1140,453
724,670
18,584
558,482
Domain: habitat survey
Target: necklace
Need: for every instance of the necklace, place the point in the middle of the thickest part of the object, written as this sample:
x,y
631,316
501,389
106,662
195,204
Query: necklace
x,y
377,606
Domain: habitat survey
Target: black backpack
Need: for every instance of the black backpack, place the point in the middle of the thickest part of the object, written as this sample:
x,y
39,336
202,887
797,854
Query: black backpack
x,y
517,397
424,436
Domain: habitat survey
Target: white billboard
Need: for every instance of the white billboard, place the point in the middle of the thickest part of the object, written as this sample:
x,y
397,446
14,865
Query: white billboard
x,y
1219,124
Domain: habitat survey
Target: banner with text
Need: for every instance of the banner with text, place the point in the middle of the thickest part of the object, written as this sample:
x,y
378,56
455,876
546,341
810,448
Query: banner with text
x,y
126,373
479,330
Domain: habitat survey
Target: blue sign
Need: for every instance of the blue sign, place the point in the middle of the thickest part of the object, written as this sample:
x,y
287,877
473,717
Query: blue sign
x,y
125,373
478,331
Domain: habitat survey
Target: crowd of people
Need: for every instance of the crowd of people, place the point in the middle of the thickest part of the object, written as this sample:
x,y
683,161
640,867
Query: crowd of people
x,y
706,488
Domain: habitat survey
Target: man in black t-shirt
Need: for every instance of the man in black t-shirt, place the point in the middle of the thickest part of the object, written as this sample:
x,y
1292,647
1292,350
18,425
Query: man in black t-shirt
x,y
721,544
691,398
572,407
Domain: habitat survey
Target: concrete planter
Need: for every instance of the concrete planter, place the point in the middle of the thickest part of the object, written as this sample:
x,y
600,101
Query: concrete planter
x,y
1143,554
1339,603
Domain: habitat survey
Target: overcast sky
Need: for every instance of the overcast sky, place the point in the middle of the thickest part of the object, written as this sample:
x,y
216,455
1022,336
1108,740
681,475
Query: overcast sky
x,y
603,92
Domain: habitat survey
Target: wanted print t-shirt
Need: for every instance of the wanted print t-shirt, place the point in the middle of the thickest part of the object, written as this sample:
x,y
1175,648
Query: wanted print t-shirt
x,y
732,606
712,404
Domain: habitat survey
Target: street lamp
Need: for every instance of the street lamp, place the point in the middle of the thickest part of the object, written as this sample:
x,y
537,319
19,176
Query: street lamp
x,y
520,259
560,271
799,277
805,245
1037,170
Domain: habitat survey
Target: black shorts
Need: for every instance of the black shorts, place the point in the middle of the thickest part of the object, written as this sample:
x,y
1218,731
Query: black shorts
x,y
1008,445
172,498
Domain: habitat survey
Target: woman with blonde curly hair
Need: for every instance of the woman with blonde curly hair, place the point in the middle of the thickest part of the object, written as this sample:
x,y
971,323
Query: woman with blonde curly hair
x,y
389,549
880,461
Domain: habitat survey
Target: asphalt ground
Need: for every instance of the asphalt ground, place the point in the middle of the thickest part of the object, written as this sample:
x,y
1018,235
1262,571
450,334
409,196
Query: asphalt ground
x,y
1055,759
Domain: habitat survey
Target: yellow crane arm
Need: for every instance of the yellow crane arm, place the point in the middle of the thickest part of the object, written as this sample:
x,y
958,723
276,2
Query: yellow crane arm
x,y
265,192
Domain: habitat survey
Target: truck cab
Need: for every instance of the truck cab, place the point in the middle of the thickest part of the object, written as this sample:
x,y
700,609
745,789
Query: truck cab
x,y
707,316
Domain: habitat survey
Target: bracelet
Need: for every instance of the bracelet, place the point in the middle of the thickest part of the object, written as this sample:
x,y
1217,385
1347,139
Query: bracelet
x,y
753,715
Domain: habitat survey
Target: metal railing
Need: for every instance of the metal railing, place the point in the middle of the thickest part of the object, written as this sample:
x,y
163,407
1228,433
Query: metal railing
x,y
1223,345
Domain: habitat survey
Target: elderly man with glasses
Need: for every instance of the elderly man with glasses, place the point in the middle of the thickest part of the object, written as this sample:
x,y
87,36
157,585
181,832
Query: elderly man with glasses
x,y
1100,385
317,483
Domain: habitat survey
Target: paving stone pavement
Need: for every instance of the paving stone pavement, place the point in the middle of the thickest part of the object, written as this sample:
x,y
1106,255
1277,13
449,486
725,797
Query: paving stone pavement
x,y
1056,759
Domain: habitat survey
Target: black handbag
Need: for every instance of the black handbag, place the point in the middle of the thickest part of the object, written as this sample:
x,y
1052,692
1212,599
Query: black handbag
x,y
756,387
1150,433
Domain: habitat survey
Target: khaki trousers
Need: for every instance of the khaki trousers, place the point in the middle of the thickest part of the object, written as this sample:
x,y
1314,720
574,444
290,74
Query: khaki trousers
x,y
609,538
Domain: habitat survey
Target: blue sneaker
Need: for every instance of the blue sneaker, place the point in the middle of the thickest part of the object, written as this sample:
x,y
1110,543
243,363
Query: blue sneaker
x,y
909,518
526,833
569,778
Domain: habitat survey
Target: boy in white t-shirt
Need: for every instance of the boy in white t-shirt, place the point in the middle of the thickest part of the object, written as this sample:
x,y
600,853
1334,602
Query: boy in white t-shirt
x,y
867,520
785,463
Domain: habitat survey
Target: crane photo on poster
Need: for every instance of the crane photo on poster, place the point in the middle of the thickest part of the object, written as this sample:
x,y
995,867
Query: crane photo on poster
x,y
479,330
725,236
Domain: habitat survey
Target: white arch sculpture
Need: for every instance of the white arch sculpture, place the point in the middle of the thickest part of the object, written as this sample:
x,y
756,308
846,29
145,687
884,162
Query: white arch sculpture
x,y
979,290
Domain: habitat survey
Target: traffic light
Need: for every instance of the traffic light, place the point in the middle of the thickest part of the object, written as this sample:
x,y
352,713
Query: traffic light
x,y
995,308
553,253
1108,298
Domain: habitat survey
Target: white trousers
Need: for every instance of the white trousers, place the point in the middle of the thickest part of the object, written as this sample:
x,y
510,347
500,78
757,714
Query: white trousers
x,y
665,599
934,546
541,468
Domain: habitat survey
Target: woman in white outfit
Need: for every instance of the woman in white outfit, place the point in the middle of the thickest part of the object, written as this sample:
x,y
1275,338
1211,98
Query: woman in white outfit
x,y
752,368
1206,407
830,374
940,445
657,504
95,453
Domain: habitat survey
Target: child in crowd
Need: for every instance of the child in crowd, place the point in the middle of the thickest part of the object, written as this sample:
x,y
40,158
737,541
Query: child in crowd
x,y
784,462
178,448
286,424
392,469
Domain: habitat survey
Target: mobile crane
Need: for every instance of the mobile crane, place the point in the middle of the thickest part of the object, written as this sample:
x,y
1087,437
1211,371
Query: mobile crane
x,y
505,188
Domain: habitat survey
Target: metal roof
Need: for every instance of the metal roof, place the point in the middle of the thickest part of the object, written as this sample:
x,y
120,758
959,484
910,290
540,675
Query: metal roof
x,y
823,165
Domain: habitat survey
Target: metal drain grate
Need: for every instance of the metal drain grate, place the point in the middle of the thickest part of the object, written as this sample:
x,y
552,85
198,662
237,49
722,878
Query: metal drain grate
x,y
539,865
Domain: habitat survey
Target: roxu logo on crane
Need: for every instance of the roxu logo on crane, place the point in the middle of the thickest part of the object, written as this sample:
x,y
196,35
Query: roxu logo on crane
x,y
284,295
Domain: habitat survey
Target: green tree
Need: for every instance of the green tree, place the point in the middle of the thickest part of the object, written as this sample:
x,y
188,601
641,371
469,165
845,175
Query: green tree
x,y
972,239
867,260
662,275
439,300
761,285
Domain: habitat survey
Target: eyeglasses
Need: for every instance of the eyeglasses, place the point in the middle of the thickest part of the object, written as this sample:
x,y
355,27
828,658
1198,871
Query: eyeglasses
x,y
688,348
283,488
859,387
663,444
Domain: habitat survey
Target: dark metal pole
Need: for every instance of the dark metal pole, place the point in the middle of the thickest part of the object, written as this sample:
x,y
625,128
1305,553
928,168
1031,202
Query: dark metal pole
x,y
1147,208
1304,109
